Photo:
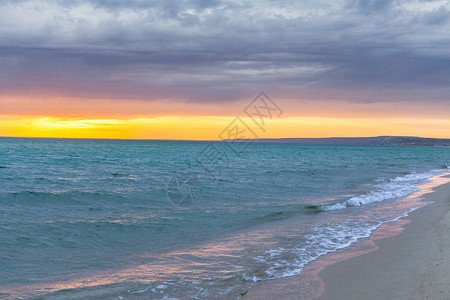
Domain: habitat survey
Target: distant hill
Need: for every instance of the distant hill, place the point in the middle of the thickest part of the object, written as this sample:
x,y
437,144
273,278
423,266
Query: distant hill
x,y
379,140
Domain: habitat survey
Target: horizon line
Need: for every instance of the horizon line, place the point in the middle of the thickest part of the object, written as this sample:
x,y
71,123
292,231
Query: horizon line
x,y
194,140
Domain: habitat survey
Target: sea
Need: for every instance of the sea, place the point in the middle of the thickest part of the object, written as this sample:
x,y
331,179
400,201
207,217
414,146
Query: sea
x,y
144,219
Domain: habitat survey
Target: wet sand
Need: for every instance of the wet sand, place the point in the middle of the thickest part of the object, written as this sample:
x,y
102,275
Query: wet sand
x,y
408,259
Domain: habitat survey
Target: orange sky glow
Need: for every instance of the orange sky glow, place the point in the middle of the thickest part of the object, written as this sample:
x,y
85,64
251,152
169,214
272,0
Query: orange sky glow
x,y
185,69
132,119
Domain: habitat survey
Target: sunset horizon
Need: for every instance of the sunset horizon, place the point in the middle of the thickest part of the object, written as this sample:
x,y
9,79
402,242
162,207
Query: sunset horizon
x,y
146,69
191,121
224,149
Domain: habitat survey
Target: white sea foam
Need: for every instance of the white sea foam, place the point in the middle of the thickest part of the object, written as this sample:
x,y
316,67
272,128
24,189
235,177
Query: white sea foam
x,y
331,237
395,188
322,240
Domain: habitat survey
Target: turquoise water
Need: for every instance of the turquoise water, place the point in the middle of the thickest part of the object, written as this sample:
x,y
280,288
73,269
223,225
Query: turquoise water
x,y
92,217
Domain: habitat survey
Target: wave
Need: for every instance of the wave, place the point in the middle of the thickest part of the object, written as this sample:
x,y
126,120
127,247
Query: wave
x,y
390,189
385,189
274,216
331,237
322,240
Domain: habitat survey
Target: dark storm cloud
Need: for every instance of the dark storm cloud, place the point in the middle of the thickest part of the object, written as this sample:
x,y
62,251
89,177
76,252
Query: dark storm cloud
x,y
202,50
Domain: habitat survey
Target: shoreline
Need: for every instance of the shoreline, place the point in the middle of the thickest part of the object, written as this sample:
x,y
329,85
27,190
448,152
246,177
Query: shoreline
x,y
405,259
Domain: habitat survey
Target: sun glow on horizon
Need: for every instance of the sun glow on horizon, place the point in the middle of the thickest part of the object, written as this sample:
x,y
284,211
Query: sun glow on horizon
x,y
210,127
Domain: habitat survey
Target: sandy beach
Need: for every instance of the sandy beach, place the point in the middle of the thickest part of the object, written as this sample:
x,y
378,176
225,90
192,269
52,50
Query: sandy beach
x,y
408,259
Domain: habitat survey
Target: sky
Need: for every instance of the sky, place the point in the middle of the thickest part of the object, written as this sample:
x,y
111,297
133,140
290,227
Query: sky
x,y
185,69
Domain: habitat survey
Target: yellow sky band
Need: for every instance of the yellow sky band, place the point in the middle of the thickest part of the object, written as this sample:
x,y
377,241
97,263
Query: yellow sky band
x,y
209,128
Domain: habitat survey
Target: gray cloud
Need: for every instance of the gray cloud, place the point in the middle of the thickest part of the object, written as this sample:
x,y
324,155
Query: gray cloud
x,y
438,16
373,6
201,50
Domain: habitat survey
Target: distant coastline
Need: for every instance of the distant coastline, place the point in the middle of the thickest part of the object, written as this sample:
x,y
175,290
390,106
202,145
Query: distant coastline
x,y
369,141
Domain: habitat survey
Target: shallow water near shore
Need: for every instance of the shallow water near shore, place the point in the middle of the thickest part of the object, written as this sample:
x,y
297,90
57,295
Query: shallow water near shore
x,y
368,284
91,218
